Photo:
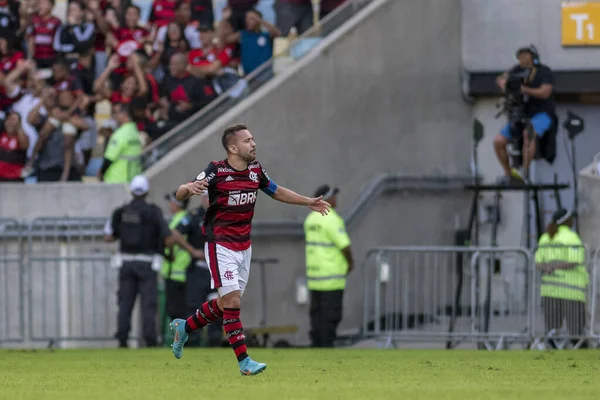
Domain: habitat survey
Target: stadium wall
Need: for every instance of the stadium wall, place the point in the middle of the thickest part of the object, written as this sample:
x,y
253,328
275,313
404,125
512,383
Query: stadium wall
x,y
26,202
510,24
382,94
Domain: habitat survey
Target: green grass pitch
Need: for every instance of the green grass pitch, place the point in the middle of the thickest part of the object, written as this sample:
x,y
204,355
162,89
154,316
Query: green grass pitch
x,y
299,374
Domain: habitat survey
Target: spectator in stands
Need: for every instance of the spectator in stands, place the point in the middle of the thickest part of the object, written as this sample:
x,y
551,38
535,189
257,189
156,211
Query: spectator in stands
x,y
213,62
96,12
13,149
10,23
183,18
127,40
122,158
153,95
236,12
202,12
185,94
76,36
30,98
131,86
11,88
294,13
162,13
256,44
55,144
40,35
9,55
224,31
59,120
143,119
175,42
69,88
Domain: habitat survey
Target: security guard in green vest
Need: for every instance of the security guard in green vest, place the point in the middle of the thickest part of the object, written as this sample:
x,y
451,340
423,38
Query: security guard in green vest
x,y
175,267
122,157
561,259
328,262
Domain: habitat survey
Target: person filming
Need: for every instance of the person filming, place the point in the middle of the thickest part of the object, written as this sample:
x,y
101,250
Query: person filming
x,y
537,100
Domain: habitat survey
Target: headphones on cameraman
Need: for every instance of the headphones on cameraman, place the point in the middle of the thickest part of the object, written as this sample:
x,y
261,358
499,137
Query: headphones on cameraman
x,y
531,49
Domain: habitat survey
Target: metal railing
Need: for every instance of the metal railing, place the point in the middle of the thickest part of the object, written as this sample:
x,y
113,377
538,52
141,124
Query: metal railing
x,y
57,282
245,87
58,286
493,297
72,287
443,294
12,325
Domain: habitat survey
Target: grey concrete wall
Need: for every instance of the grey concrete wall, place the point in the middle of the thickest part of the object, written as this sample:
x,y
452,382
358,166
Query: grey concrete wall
x,y
369,99
20,201
493,30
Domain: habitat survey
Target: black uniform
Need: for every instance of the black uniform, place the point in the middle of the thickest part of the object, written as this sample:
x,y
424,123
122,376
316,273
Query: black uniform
x,y
198,288
539,76
142,230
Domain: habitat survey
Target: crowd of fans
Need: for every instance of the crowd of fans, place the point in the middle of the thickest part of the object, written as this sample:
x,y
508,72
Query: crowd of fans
x,y
54,71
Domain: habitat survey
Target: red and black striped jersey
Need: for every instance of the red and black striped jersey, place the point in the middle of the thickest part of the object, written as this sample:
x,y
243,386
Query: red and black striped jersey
x,y
163,12
43,30
232,197
9,61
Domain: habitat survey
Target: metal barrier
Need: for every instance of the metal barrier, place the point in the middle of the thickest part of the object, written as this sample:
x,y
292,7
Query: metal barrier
x,y
72,287
58,286
12,324
450,294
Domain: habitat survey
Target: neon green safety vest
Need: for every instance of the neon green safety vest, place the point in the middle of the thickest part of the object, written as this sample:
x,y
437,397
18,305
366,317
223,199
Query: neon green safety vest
x,y
124,149
565,246
182,259
326,237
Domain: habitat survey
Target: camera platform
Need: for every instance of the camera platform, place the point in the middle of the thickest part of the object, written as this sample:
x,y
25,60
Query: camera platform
x,y
530,188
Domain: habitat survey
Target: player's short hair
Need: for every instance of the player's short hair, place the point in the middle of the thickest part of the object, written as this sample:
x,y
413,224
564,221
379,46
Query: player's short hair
x,y
230,132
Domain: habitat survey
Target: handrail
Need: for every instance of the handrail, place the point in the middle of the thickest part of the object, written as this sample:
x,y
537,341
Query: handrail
x,y
380,184
152,153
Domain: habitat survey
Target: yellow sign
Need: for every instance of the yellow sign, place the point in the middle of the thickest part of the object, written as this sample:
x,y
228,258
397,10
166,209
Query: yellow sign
x,y
580,23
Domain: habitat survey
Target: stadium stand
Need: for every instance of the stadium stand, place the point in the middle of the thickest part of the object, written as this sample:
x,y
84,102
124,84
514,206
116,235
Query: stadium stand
x,y
65,63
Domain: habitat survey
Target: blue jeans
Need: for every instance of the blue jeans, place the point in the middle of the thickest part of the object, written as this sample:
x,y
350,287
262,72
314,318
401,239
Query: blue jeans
x,y
541,122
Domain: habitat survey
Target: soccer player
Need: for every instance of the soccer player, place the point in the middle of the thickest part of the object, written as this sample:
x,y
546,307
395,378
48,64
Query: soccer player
x,y
232,186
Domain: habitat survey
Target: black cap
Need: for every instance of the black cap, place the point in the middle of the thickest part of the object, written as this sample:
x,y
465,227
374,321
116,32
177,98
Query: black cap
x,y
172,197
326,191
205,28
561,216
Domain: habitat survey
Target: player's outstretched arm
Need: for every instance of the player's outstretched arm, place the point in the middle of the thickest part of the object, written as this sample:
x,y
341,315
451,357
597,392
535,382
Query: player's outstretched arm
x,y
314,203
189,189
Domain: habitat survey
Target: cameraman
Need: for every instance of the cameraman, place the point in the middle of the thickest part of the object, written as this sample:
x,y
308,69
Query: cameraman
x,y
539,108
